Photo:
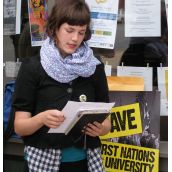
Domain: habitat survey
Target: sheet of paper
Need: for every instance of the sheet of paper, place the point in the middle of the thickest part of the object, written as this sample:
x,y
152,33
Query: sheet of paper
x,y
162,73
166,7
104,23
72,108
108,70
142,18
18,17
144,72
9,17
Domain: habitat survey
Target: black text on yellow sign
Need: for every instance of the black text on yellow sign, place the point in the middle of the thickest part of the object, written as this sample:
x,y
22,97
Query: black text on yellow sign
x,y
125,120
127,158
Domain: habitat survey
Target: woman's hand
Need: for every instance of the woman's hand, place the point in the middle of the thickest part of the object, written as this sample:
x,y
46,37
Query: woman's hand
x,y
52,118
98,129
25,124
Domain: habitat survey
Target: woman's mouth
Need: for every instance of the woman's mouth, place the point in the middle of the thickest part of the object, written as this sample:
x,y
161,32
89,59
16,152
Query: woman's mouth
x,y
72,46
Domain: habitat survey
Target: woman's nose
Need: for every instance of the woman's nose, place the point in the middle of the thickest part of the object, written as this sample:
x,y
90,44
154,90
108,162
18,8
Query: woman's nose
x,y
75,36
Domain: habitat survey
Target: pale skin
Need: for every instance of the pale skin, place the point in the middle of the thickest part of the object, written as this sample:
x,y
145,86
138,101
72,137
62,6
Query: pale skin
x,y
69,38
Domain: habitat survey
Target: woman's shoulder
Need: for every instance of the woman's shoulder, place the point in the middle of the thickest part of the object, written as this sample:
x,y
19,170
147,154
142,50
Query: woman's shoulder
x,y
30,65
34,60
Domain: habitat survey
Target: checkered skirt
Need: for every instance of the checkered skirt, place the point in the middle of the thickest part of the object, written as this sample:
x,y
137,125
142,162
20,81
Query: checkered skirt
x,y
48,160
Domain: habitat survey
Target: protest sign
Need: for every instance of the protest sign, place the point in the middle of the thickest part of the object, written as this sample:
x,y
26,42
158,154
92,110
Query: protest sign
x,y
122,157
133,142
125,120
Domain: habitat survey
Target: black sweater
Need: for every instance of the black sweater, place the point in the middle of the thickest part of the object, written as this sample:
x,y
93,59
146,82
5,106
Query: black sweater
x,y
36,92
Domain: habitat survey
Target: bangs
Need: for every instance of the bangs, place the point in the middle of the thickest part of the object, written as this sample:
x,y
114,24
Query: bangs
x,y
78,19
77,16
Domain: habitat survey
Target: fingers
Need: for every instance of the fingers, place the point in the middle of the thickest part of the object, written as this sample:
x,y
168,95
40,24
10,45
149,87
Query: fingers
x,y
52,124
56,118
56,113
94,129
53,118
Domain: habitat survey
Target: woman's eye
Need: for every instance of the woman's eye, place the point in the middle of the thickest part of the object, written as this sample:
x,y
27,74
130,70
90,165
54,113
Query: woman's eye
x,y
69,31
82,33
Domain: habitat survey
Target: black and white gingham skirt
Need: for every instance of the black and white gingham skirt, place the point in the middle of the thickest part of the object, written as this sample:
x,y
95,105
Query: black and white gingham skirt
x,y
48,160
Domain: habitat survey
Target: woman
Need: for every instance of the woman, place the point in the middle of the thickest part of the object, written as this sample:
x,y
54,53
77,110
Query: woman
x,y
66,70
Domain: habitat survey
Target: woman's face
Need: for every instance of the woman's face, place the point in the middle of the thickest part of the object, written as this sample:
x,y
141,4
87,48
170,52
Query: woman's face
x,y
69,38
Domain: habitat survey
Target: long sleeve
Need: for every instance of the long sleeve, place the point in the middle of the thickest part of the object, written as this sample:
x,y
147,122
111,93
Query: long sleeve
x,y
25,87
100,83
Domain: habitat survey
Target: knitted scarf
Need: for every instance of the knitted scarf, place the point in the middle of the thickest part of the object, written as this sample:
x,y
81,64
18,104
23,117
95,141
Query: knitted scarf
x,y
81,63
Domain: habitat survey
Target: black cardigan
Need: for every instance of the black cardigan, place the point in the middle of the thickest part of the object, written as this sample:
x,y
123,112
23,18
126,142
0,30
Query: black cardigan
x,y
36,92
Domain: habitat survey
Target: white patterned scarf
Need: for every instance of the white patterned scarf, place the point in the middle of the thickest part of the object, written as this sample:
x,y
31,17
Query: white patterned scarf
x,y
81,63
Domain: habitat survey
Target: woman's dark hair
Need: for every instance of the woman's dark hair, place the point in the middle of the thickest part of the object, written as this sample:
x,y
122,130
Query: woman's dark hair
x,y
72,12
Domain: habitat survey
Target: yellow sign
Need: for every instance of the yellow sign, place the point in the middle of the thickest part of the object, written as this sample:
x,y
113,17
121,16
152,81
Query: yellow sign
x,y
128,158
125,120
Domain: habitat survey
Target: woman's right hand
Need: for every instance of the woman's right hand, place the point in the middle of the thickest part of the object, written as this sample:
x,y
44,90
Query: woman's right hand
x,y
25,124
52,118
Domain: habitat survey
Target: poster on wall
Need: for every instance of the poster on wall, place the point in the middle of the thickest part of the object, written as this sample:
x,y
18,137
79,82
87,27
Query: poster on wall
x,y
104,23
144,72
162,73
9,20
133,142
18,16
38,14
166,7
142,18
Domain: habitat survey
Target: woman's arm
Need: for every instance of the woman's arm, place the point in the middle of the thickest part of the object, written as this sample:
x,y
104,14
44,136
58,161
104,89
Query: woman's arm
x,y
100,84
25,125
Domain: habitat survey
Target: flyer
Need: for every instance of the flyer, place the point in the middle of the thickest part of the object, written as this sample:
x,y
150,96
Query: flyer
x,y
166,7
144,72
142,18
162,73
9,20
104,23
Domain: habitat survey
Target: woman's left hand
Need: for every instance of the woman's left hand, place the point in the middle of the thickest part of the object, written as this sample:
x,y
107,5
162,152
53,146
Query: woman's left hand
x,y
95,129
98,129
